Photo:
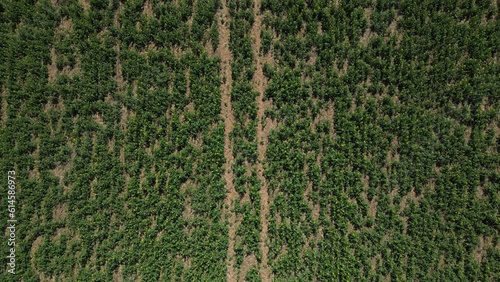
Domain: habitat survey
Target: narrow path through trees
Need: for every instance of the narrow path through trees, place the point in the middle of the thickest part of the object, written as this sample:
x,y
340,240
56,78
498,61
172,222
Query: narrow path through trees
x,y
259,82
227,114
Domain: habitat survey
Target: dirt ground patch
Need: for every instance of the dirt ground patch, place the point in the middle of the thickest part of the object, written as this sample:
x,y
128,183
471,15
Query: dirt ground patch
x,y
248,262
148,9
367,35
60,212
52,68
263,128
85,4
228,116
484,244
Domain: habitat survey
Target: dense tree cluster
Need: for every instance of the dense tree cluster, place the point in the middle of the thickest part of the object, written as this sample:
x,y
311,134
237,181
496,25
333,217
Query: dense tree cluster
x,y
404,186
382,157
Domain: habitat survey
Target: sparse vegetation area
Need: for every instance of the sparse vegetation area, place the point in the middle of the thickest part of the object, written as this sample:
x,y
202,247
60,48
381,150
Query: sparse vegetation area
x,y
252,140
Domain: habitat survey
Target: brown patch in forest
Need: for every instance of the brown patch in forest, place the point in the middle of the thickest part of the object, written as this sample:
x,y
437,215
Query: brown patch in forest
x,y
52,68
392,154
109,99
350,228
441,262
467,134
246,197
188,210
493,126
366,182
53,72
85,5
372,208
187,262
313,56
34,173
480,188
122,155
431,185
191,17
480,251
188,83
125,114
411,196
376,260
111,144
283,252
393,194
134,88
228,116
148,8
259,84
148,49
34,247
98,119
393,31
60,212
480,192
148,150
43,278
367,35
209,48
92,192
247,264
177,51
142,175
301,33
328,114
372,205
185,189
66,25
392,28
59,232
120,82
248,173
116,18
345,67
118,274
154,222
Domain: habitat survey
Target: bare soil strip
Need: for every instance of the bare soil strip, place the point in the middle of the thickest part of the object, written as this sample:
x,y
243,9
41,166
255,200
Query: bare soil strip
x,y
259,82
227,114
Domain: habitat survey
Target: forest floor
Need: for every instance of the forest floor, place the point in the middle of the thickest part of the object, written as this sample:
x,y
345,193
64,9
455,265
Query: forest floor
x,y
227,114
259,82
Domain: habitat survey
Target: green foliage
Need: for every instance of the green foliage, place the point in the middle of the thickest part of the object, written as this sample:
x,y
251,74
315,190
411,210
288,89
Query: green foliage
x,y
382,151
